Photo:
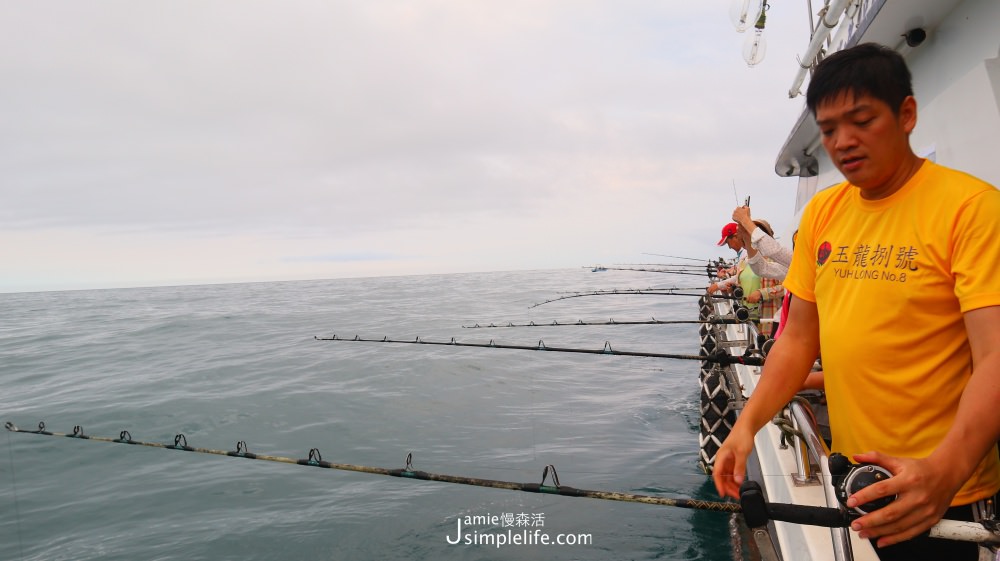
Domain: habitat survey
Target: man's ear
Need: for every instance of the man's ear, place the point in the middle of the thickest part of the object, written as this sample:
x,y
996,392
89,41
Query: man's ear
x,y
908,114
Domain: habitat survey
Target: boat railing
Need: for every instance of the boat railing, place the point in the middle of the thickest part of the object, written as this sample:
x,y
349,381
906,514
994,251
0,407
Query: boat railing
x,y
810,444
809,448
805,473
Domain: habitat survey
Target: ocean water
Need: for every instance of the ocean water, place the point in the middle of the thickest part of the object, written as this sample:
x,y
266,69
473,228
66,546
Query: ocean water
x,y
239,362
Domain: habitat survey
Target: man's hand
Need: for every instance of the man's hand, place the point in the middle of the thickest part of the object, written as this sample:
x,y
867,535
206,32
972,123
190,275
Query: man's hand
x,y
713,288
755,297
923,492
730,466
741,216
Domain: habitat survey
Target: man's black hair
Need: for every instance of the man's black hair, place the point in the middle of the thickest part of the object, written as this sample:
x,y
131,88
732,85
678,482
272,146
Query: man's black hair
x,y
867,69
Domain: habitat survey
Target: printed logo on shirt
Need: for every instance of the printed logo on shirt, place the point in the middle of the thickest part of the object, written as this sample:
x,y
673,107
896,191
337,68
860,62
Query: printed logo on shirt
x,y
823,253
865,261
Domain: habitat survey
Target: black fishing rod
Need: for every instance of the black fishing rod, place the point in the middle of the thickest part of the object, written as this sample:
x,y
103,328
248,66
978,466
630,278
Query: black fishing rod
x,y
752,504
316,460
717,356
710,263
665,265
668,288
612,321
646,270
757,512
637,292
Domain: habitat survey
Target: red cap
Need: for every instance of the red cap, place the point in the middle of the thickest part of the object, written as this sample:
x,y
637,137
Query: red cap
x,y
728,231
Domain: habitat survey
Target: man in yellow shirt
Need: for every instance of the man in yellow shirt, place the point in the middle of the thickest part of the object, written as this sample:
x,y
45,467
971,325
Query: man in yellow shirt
x,y
894,275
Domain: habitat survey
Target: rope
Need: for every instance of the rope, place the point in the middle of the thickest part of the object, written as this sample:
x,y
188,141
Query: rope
x,y
315,459
786,428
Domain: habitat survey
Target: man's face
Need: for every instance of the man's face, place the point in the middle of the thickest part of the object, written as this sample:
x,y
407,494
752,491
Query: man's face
x,y
867,142
734,242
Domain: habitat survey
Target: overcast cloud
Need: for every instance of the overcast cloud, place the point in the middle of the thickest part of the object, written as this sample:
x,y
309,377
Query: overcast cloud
x,y
165,142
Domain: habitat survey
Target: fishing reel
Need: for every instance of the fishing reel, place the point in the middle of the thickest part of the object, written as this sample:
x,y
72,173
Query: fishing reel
x,y
766,346
849,478
739,315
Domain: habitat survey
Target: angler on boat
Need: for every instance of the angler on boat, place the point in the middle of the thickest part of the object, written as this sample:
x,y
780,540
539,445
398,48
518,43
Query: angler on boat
x,y
902,236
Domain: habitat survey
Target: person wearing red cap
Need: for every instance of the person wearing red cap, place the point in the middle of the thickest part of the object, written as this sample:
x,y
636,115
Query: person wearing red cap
x,y
735,243
743,275
728,232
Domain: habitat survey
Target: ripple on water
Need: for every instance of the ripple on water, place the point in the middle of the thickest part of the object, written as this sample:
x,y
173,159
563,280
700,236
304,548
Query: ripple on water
x,y
229,363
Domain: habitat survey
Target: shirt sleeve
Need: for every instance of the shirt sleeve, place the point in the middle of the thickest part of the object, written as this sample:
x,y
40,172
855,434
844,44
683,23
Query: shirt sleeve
x,y
765,268
770,248
728,281
801,279
976,245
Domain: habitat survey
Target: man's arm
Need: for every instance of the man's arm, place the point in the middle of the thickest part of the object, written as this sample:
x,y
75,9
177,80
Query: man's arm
x,y
741,216
767,268
760,241
786,368
926,486
724,284
770,248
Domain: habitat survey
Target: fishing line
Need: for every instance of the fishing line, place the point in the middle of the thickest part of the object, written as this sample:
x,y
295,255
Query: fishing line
x,y
718,356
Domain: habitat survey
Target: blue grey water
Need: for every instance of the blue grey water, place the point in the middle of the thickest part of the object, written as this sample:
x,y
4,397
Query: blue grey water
x,y
225,363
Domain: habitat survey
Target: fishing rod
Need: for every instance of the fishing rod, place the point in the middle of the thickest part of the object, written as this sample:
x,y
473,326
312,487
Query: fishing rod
x,y
752,503
315,459
651,321
636,292
645,270
702,287
674,256
665,265
717,356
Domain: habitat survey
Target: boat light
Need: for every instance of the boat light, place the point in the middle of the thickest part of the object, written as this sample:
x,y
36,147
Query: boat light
x,y
755,46
742,12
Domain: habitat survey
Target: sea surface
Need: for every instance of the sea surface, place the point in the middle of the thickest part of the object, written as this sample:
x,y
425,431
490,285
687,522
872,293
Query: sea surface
x,y
240,362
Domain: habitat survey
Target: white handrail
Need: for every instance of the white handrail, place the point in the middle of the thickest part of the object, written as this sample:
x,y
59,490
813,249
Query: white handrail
x,y
833,12
806,422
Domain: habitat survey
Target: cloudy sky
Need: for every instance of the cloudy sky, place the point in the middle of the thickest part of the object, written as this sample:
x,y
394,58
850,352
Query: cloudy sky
x,y
194,141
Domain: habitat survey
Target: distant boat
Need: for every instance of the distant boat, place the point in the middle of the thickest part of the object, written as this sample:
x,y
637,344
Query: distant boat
x,y
599,269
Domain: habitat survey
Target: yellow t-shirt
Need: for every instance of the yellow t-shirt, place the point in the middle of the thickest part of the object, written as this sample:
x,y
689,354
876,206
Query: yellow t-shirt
x,y
891,280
